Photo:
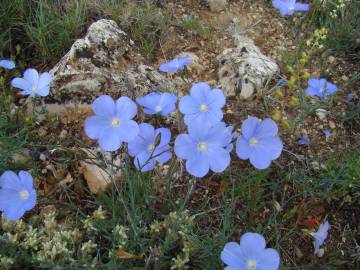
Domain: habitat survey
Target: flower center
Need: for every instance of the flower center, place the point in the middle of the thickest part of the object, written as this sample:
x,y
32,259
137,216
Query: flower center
x,y
202,146
251,264
158,109
203,108
253,141
34,89
116,122
150,148
24,195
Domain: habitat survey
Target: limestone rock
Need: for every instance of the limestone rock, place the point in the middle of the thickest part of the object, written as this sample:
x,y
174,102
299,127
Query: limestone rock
x,y
244,69
96,172
195,66
99,64
217,5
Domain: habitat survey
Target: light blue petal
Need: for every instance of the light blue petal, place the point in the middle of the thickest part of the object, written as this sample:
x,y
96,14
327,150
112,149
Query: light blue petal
x,y
216,99
32,76
44,80
169,67
260,157
283,7
220,135
104,106
330,89
142,161
125,108
28,92
137,146
21,83
219,159
268,259
311,91
188,105
9,198
165,135
243,149
200,92
110,141
43,92
190,118
14,213
128,130
9,180
302,7
198,165
252,242
183,61
95,125
26,180
167,103
199,129
185,147
266,128
31,201
213,116
249,127
233,256
145,137
273,146
162,154
149,102
313,82
8,64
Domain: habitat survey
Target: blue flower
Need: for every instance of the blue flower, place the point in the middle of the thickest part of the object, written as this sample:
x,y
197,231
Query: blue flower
x,y
17,194
205,147
251,254
156,103
320,87
147,150
176,64
320,236
327,133
8,64
289,7
259,142
111,125
203,104
33,83
304,140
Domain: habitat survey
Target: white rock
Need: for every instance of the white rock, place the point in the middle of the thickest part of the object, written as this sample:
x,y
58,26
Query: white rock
x,y
244,69
99,64
217,5
321,113
98,173
195,66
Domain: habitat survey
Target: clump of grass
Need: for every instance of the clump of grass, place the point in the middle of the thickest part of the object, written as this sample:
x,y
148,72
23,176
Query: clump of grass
x,y
192,24
46,29
13,134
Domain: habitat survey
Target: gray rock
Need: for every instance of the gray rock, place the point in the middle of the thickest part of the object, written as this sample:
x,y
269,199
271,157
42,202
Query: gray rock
x,y
244,69
217,5
99,64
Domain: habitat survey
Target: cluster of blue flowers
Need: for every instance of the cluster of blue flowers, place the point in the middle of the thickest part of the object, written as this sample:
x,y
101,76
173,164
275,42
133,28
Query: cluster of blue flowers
x,y
207,143
17,194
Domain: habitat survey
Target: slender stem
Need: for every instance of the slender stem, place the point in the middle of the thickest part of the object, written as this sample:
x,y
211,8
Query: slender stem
x,y
189,193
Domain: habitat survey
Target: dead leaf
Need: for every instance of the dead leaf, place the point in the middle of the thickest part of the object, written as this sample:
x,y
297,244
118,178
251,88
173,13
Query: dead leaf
x,y
123,255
